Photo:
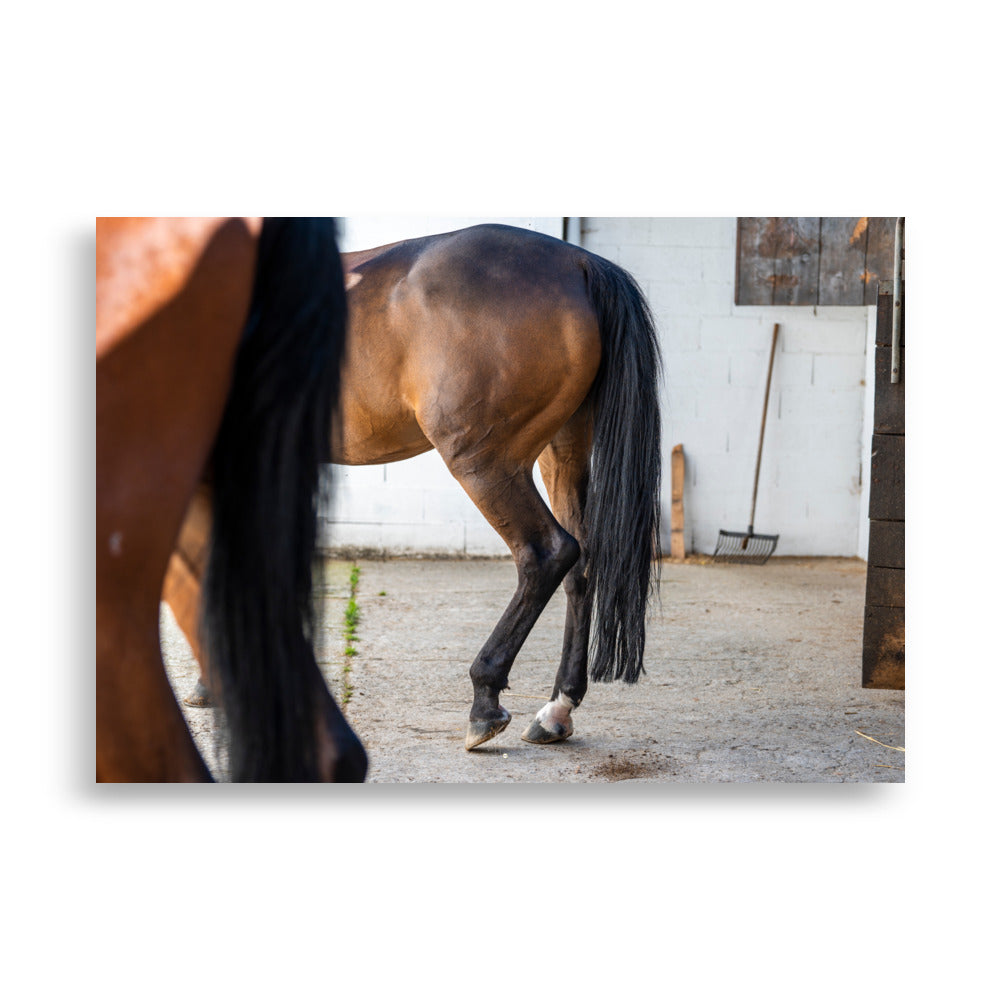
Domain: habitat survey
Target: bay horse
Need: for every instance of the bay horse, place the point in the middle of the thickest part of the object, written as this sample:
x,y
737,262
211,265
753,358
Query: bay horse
x,y
219,345
499,347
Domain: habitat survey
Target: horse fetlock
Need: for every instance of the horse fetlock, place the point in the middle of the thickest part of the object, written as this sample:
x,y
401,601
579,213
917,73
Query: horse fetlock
x,y
552,722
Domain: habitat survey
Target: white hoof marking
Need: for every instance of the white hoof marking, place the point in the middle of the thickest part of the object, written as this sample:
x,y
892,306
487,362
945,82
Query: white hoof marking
x,y
556,712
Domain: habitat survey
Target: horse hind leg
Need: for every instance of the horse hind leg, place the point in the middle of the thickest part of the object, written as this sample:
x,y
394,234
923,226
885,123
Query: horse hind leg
x,y
543,553
182,588
564,465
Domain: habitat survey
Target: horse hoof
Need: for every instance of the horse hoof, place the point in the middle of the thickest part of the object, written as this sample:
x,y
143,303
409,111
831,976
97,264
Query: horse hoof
x,y
552,723
537,733
200,697
481,730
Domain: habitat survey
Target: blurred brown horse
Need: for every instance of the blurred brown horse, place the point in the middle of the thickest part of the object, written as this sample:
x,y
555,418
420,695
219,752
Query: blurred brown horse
x,y
499,347
219,343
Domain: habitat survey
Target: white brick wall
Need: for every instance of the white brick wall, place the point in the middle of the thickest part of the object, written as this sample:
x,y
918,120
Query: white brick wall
x,y
715,356
813,482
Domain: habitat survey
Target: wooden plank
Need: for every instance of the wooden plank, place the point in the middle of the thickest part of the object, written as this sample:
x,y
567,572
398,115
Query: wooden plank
x,y
879,255
883,316
888,478
890,398
887,544
884,645
812,261
755,273
883,663
794,245
886,588
677,502
843,242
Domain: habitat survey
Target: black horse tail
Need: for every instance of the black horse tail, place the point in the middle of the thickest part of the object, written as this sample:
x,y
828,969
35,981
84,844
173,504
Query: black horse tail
x,y
622,511
275,433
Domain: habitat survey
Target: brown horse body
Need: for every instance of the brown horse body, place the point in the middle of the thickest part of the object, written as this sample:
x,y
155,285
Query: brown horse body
x,y
487,345
172,304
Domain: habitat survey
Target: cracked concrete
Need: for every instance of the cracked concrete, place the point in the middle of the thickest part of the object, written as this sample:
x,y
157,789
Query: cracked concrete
x,y
753,674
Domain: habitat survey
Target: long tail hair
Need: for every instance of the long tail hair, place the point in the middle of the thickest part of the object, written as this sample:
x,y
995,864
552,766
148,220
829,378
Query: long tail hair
x,y
622,511
276,430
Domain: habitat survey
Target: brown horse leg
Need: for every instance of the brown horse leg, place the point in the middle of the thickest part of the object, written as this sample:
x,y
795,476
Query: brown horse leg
x,y
182,587
543,552
564,466
141,734
161,384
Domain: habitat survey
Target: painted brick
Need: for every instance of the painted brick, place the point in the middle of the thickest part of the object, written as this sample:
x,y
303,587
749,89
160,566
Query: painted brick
x,y
442,506
727,333
345,534
720,471
677,333
717,298
378,505
702,437
422,539
677,401
837,476
698,299
422,471
718,264
839,370
792,438
842,314
642,262
779,509
734,406
602,230
348,476
815,405
829,504
818,337
481,540
749,369
694,369
695,233
672,264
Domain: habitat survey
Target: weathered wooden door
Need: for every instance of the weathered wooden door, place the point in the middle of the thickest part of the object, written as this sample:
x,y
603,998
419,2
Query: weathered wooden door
x,y
883,658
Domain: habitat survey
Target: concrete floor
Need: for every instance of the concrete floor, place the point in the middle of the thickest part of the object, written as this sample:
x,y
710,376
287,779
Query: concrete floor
x,y
753,675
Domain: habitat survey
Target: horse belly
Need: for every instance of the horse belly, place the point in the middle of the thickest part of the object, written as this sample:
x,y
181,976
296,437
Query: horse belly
x,y
373,431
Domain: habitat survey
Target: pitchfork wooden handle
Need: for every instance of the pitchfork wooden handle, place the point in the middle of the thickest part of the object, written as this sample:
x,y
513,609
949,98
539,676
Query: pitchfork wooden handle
x,y
763,421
